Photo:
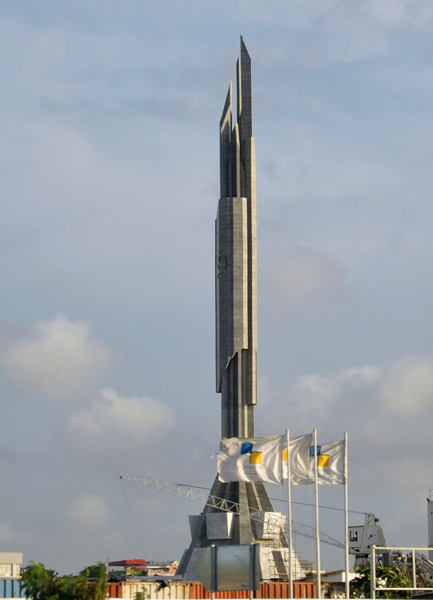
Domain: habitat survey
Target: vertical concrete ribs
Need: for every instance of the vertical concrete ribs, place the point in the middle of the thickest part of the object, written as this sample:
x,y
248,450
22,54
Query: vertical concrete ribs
x,y
236,257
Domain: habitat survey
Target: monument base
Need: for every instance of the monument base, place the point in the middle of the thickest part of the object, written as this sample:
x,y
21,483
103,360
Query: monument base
x,y
251,519
274,564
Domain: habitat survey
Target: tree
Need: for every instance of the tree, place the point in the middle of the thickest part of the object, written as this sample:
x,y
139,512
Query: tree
x,y
360,587
97,588
39,583
42,584
94,571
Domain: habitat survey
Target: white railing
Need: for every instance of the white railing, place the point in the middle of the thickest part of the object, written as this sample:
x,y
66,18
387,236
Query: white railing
x,y
416,558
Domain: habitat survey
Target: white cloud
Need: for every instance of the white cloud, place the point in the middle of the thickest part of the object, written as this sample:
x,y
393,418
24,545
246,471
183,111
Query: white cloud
x,y
369,402
320,400
366,395
407,387
304,276
114,417
60,359
90,510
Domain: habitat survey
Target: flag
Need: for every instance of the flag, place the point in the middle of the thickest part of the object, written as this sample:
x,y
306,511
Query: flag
x,y
330,463
299,452
253,459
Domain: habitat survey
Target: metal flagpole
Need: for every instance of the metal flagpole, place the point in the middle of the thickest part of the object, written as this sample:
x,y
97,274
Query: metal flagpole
x,y
316,484
346,518
289,513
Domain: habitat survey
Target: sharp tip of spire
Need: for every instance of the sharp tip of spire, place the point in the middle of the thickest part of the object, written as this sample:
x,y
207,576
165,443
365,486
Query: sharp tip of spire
x,y
227,104
244,50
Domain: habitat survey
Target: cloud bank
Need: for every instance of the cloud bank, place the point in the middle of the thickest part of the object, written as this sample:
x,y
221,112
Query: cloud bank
x,y
113,422
90,511
60,359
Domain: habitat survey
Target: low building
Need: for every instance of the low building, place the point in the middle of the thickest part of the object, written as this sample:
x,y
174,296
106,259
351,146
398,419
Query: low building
x,y
334,583
10,581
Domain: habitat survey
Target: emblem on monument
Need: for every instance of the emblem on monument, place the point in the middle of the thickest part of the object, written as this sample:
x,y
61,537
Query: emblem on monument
x,y
223,263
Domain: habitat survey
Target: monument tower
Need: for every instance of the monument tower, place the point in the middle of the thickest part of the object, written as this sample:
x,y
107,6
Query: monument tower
x,y
236,340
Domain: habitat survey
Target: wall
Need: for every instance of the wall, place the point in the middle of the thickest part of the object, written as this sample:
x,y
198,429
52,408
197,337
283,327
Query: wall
x,y
181,590
10,588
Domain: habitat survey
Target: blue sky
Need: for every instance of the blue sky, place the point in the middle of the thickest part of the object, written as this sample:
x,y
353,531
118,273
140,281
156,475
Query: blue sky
x,y
109,119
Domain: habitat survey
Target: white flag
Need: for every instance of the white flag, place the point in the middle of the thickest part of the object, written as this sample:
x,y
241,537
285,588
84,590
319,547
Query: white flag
x,y
299,453
330,463
253,459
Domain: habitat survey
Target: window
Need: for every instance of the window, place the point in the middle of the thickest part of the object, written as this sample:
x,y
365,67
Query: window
x,y
5,570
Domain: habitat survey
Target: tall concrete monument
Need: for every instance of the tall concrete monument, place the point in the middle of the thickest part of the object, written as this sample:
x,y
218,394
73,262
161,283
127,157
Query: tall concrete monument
x,y
236,260
236,343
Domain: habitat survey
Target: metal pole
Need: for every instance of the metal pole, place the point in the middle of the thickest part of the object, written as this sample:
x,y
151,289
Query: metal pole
x,y
213,570
414,568
253,574
316,484
289,514
373,573
346,519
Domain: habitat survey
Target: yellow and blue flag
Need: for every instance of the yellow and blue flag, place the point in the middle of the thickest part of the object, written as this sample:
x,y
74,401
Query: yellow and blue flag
x,y
253,459
330,463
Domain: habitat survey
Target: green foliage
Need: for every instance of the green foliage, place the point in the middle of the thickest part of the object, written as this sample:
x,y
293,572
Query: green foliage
x,y
143,595
360,587
43,584
96,590
39,583
95,571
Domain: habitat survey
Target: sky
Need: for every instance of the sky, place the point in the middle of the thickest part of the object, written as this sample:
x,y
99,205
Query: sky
x,y
109,119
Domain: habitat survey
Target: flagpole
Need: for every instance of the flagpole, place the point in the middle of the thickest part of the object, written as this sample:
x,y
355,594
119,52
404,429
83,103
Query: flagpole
x,y
289,514
316,485
346,518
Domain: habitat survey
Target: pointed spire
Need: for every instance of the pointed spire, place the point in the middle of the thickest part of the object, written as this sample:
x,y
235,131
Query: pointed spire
x,y
244,50
245,109
225,140
227,110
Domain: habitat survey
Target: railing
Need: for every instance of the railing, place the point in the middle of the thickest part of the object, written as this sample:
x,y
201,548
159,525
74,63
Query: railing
x,y
413,558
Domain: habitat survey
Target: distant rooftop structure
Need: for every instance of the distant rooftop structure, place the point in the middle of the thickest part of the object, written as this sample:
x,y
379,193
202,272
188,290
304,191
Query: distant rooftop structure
x,y
165,568
131,563
133,567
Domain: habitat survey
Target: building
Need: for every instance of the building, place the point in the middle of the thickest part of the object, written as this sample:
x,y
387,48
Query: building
x,y
10,564
162,568
134,566
10,581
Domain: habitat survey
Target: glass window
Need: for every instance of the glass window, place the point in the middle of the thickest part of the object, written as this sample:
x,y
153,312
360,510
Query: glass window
x,y
5,570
